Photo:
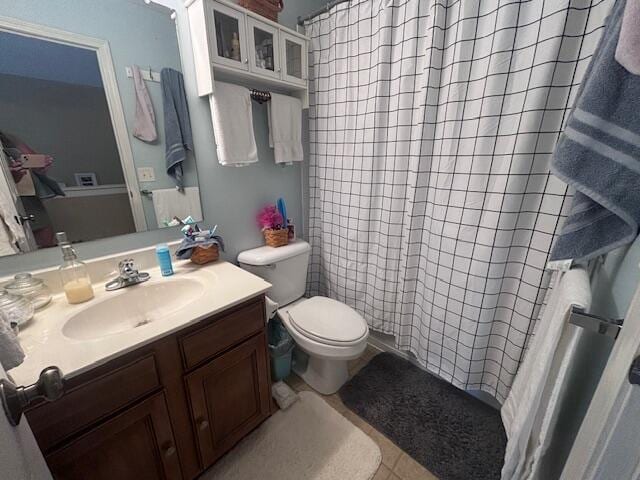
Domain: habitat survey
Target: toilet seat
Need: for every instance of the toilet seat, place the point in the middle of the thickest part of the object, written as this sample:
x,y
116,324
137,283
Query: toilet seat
x,y
328,321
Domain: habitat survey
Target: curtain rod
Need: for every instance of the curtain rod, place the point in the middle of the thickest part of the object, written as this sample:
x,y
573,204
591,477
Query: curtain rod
x,y
322,10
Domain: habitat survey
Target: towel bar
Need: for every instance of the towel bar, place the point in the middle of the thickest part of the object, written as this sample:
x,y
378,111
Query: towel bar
x,y
260,96
594,323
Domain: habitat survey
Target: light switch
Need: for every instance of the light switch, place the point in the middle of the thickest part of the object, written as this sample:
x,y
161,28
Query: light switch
x,y
146,174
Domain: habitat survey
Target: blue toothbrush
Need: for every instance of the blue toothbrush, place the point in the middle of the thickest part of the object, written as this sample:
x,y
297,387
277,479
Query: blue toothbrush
x,y
283,211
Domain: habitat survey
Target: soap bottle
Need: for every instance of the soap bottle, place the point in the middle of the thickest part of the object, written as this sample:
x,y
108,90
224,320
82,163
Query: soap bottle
x,y
75,279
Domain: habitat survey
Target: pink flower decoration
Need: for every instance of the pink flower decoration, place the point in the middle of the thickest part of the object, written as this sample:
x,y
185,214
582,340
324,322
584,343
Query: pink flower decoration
x,y
269,217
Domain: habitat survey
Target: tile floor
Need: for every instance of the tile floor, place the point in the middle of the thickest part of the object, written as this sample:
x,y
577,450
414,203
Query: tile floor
x,y
396,464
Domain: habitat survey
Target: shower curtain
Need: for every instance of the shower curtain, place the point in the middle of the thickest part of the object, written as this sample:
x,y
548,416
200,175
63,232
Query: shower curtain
x,y
432,209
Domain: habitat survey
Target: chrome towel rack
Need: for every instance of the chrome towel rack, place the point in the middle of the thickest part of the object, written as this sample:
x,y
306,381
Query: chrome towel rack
x,y
595,323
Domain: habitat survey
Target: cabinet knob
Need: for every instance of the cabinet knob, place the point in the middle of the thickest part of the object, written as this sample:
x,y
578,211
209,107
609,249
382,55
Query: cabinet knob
x,y
169,450
246,60
203,424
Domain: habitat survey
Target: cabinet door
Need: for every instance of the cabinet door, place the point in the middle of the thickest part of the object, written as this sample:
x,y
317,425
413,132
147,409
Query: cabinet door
x,y
227,36
293,51
229,397
264,48
137,444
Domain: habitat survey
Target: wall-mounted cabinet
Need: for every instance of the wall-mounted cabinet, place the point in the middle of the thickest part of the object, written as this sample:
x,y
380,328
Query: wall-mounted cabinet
x,y
232,43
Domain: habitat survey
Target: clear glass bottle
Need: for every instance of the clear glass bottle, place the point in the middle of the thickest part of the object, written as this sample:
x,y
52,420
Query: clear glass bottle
x,y
75,278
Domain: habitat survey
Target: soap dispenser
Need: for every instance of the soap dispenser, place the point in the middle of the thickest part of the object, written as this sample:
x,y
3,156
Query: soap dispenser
x,y
75,278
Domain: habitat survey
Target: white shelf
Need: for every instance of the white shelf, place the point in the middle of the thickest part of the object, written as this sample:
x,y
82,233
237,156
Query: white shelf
x,y
240,67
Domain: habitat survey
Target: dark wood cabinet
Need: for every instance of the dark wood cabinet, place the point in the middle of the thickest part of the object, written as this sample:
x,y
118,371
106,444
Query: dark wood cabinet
x,y
168,410
137,444
229,397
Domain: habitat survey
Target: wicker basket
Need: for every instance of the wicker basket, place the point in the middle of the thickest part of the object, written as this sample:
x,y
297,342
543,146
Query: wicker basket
x,y
276,238
202,255
266,8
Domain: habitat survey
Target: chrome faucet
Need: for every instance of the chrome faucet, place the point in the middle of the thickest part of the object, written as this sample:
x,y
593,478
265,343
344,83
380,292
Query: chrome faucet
x,y
128,276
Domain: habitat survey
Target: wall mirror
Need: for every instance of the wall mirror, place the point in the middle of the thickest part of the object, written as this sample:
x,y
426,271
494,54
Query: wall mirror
x,y
78,152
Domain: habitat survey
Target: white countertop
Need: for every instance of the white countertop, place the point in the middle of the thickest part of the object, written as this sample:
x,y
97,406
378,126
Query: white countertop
x,y
45,344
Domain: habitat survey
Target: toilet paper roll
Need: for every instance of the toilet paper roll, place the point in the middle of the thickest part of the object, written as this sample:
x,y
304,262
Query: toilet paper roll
x,y
271,308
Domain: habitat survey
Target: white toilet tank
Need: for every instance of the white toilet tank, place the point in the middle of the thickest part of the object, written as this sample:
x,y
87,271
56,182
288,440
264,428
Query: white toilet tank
x,y
285,268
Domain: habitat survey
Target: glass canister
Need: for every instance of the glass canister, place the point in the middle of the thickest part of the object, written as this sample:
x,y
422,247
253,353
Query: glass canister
x,y
15,309
31,288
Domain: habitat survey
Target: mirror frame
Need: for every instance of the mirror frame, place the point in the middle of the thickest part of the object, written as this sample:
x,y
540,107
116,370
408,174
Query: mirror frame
x,y
112,94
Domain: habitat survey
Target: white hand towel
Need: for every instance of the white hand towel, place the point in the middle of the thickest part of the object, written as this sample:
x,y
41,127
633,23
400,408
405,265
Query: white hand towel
x,y
232,119
11,353
170,202
144,125
285,128
530,412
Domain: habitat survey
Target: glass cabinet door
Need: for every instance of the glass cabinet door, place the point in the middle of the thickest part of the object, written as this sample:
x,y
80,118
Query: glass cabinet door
x,y
229,37
294,56
264,56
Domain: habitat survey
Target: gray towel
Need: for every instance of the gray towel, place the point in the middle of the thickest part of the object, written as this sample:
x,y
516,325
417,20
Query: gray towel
x,y
177,126
599,155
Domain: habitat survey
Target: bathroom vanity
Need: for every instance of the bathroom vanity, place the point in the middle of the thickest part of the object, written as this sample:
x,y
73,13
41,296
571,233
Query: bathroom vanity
x,y
162,399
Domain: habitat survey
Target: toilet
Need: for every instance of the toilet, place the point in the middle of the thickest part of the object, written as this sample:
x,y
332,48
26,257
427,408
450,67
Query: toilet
x,y
329,332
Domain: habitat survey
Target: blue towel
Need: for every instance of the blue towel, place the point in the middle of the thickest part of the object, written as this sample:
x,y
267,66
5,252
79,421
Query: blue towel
x,y
177,126
599,155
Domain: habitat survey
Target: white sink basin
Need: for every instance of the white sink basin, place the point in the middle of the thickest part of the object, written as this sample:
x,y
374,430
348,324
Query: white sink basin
x,y
132,307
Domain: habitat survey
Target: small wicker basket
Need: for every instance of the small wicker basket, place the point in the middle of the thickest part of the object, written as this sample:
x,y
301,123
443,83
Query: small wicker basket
x,y
202,255
276,238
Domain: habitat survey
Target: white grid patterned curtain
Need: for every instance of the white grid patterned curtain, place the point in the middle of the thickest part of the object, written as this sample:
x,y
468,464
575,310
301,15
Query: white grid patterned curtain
x,y
432,209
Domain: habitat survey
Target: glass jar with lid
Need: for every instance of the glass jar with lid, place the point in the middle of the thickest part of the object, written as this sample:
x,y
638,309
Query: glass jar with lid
x,y
15,309
31,288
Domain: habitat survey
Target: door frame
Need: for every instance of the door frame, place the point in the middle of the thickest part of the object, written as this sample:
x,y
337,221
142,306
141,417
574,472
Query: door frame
x,y
596,439
111,91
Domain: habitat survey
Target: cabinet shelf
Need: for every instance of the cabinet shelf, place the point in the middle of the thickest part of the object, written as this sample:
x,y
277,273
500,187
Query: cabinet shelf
x,y
231,43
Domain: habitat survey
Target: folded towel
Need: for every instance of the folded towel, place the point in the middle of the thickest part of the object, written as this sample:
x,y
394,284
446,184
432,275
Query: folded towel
x,y
11,353
628,48
285,128
232,119
169,203
599,155
144,124
177,126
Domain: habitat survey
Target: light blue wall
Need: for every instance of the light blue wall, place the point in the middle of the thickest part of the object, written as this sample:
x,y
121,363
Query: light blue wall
x,y
616,281
230,196
295,8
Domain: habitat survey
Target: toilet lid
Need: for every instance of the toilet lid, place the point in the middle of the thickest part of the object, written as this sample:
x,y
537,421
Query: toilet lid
x,y
327,319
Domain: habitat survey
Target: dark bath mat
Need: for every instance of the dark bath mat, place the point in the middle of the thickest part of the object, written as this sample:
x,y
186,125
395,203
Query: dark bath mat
x,y
452,434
